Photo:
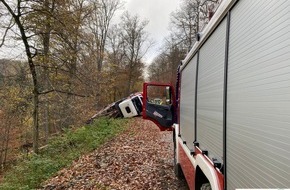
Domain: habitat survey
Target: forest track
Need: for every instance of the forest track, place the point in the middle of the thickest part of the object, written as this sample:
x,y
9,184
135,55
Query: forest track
x,y
140,158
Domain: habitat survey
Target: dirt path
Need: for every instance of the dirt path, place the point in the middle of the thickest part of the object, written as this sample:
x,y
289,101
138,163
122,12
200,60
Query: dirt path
x,y
141,158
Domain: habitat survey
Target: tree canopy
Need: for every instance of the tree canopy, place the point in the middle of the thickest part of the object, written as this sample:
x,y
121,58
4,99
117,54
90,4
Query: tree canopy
x,y
75,62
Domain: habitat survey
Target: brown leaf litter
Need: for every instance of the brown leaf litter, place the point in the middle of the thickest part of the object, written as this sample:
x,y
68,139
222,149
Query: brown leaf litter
x,y
140,158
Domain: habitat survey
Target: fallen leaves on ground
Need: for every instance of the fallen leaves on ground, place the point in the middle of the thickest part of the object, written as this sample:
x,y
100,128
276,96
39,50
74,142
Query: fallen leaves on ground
x,y
140,158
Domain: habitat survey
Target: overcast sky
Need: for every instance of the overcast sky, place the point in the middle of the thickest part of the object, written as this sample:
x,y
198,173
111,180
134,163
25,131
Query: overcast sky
x,y
158,14
156,11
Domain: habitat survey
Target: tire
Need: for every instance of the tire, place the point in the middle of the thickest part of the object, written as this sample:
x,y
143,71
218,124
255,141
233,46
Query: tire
x,y
177,168
205,186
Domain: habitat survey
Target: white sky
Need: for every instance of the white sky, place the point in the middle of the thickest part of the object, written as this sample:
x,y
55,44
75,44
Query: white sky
x,y
156,11
158,14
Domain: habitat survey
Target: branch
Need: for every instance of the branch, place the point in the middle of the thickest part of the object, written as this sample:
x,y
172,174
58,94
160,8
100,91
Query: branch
x,y
63,92
11,24
36,51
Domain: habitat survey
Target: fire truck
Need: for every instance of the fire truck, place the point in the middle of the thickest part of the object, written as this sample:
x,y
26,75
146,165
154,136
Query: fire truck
x,y
230,109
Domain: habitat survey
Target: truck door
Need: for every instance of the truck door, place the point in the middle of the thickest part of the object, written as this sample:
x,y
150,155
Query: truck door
x,y
159,104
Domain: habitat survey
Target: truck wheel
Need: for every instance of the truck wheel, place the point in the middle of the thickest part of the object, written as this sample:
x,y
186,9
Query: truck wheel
x,y
177,168
205,186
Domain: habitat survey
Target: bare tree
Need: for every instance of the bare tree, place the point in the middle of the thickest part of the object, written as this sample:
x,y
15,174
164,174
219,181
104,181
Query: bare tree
x,y
164,66
116,62
185,23
99,23
188,20
136,44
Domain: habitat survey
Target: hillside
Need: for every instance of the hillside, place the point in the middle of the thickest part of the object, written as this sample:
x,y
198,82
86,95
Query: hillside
x,y
140,158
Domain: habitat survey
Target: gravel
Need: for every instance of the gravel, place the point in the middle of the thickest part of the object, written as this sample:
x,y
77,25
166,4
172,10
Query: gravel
x,y
140,158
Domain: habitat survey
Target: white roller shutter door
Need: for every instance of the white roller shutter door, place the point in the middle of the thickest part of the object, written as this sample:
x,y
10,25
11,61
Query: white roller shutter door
x,y
210,93
187,102
258,122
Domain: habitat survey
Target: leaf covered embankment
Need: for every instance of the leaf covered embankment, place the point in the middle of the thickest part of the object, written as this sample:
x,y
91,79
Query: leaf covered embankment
x,y
140,158
60,152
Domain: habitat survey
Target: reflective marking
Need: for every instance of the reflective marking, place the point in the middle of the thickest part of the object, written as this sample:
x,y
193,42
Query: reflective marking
x,y
157,114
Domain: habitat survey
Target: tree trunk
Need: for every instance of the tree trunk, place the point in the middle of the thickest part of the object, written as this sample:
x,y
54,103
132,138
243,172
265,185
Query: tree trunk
x,y
32,69
7,133
46,45
35,121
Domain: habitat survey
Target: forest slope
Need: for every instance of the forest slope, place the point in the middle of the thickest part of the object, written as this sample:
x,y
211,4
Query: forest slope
x,y
140,158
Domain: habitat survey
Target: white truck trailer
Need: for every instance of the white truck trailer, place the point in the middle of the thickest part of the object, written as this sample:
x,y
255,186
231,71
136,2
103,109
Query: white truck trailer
x,y
231,116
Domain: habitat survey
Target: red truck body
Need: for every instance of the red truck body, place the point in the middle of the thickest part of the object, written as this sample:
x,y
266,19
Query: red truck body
x,y
230,109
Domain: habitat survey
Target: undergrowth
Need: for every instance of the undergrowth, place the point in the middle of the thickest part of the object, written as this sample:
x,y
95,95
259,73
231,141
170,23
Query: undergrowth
x,y
60,152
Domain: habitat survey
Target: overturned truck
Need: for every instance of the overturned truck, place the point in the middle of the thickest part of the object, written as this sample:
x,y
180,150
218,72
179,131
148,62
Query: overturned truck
x,y
126,107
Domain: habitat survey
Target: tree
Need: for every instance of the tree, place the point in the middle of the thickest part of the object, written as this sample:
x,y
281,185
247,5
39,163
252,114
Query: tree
x,y
136,43
14,93
184,23
188,20
116,59
41,20
39,24
164,66
16,11
69,61
99,23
